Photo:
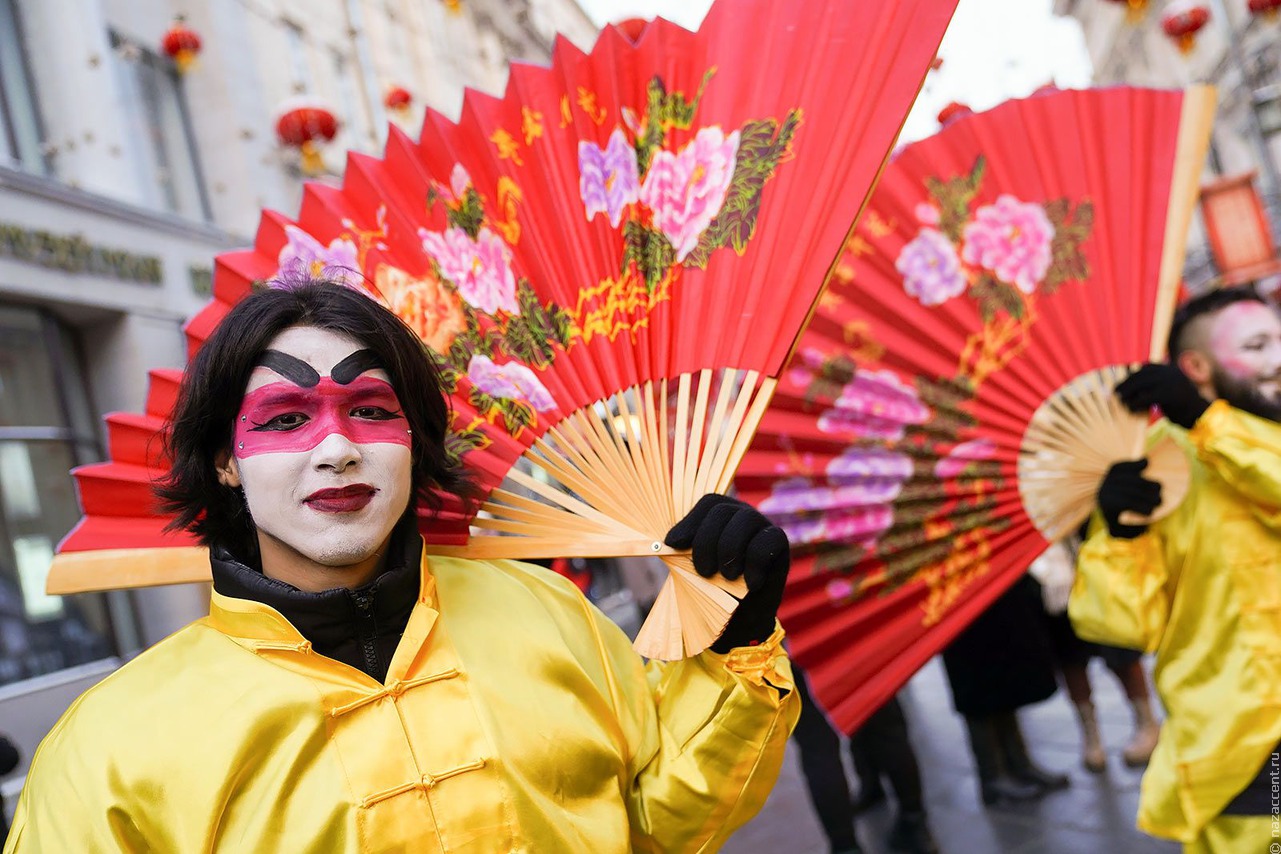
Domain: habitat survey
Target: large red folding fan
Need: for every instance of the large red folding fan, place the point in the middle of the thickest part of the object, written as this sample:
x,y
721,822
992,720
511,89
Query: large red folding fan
x,y
611,263
949,409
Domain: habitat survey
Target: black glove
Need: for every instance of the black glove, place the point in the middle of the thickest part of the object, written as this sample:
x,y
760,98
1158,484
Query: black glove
x,y
1166,386
1125,488
734,539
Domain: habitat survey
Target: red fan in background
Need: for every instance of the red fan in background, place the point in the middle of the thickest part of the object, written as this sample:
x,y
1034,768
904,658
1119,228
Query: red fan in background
x,y
610,263
947,410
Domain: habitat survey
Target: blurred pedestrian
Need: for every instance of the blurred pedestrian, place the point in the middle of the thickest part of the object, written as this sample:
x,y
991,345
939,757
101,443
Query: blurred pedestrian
x,y
1055,569
998,664
1201,587
883,747
9,759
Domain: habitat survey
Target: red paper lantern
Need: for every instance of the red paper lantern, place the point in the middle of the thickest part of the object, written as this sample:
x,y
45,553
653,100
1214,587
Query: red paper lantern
x,y
1182,20
1134,9
398,99
1268,9
181,44
305,123
952,112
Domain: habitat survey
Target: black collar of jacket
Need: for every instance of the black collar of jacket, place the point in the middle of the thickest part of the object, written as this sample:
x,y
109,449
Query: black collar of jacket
x,y
332,618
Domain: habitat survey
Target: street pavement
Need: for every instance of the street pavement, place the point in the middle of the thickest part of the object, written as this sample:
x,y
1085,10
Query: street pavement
x,y
1095,815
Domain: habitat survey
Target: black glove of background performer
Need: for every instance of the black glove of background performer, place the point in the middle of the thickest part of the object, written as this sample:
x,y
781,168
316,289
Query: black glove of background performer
x,y
1125,488
1167,387
733,538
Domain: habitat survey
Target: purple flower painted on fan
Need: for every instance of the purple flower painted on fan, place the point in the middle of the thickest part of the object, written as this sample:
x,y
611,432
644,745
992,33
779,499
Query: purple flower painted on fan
x,y
608,179
510,381
861,526
962,455
686,190
874,474
480,268
854,505
874,405
338,262
1012,239
930,269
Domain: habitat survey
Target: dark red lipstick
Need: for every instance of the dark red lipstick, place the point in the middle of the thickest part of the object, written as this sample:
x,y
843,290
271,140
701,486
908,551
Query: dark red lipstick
x,y
347,499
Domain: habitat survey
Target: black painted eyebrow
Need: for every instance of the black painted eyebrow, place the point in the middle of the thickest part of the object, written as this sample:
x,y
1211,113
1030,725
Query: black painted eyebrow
x,y
353,366
291,368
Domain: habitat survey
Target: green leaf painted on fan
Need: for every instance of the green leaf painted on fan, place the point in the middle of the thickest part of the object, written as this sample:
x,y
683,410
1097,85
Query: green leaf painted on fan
x,y
841,558
517,415
459,442
448,373
469,215
761,145
954,196
995,296
649,251
678,111
531,335
1071,229
524,342
478,338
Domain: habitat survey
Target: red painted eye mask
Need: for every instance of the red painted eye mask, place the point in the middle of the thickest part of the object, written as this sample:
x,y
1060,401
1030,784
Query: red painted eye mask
x,y
284,417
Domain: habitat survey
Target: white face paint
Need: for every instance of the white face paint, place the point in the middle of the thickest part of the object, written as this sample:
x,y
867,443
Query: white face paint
x,y
324,512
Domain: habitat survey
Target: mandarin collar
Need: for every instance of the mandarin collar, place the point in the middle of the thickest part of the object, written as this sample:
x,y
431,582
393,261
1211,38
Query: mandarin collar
x,y
330,616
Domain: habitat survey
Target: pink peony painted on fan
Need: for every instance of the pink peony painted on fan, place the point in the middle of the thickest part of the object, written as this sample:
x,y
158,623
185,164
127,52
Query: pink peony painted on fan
x,y
609,179
853,505
861,526
338,262
874,405
459,180
927,213
931,271
1012,239
839,589
685,190
960,457
509,381
480,268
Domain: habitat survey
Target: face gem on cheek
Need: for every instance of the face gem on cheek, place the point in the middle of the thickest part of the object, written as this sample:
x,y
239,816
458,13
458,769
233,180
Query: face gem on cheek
x,y
327,408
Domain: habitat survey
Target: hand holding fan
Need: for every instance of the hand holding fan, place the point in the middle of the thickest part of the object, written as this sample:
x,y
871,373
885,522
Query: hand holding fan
x,y
610,264
950,407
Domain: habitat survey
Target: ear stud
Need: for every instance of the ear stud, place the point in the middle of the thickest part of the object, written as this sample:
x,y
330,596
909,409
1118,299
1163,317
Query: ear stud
x,y
242,418
409,431
240,445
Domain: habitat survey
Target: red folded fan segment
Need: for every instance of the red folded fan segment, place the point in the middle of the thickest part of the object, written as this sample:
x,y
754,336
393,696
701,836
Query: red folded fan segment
x,y
641,222
612,262
998,263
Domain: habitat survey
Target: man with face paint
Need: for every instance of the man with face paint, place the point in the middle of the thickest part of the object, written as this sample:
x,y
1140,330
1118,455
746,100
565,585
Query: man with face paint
x,y
1201,588
347,693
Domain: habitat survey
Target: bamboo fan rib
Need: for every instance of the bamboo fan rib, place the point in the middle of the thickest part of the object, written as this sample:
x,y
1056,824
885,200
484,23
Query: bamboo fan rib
x,y
950,406
1072,440
595,259
615,485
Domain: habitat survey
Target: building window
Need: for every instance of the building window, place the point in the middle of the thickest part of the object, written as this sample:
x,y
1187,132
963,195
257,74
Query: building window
x,y
158,125
46,428
21,135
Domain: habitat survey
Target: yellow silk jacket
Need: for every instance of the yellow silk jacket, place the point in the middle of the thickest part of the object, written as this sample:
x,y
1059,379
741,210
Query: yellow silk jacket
x,y
514,717
1202,589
